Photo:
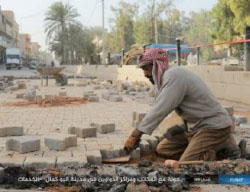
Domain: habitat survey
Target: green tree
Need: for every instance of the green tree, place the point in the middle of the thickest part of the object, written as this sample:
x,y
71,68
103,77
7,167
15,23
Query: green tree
x,y
122,31
58,18
241,11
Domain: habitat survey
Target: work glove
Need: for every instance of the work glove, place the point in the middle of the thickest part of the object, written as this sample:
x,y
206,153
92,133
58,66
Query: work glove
x,y
133,141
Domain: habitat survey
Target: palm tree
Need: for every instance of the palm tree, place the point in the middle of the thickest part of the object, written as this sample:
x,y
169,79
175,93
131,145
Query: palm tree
x,y
58,18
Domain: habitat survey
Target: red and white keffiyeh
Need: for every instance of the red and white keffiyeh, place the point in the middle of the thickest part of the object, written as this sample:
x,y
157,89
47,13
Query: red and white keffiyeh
x,y
160,62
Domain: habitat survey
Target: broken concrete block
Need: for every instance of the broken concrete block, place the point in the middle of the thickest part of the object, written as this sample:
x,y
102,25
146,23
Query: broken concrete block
x,y
23,144
11,131
240,119
115,98
86,131
19,95
39,162
93,98
245,126
62,94
230,110
71,162
60,142
104,128
144,146
136,154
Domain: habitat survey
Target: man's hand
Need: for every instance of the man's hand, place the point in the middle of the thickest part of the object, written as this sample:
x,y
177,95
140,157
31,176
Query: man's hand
x,y
133,141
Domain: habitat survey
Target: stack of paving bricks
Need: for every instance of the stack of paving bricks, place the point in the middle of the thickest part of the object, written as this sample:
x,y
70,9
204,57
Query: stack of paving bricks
x,y
112,96
91,96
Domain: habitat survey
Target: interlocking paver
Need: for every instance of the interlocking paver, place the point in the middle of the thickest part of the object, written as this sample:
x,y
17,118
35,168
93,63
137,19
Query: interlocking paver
x,y
60,142
23,144
76,162
11,131
12,162
39,162
85,131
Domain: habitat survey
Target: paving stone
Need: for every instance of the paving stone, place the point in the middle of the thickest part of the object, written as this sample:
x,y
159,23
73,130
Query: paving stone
x,y
39,97
21,85
71,162
105,96
240,119
39,162
93,98
107,153
52,153
12,162
151,140
92,146
36,87
144,146
115,98
19,95
83,132
94,157
230,110
29,97
60,142
48,96
14,88
118,150
136,154
104,128
134,116
11,131
86,95
62,94
245,126
23,144
139,116
135,124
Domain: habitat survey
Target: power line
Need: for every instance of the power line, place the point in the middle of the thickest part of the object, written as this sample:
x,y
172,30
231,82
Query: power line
x,y
93,11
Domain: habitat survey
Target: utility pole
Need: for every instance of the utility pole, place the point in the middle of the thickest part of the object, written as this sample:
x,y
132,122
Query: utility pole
x,y
155,22
103,33
247,50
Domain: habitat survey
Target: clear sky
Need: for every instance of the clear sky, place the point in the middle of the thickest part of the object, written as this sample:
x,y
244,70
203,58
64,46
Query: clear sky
x,y
29,14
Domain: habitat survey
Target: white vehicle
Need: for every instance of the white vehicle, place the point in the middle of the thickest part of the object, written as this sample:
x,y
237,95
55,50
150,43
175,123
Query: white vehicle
x,y
13,58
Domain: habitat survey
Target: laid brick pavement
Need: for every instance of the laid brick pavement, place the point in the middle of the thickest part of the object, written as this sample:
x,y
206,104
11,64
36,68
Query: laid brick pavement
x,y
43,122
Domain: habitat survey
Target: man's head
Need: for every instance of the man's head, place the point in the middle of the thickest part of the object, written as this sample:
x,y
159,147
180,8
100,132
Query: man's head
x,y
154,62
